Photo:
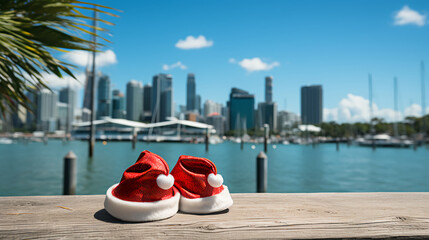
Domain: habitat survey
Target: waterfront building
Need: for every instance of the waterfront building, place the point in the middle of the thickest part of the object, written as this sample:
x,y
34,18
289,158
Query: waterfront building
x,y
269,89
191,95
47,111
218,123
134,100
312,104
63,118
241,109
147,103
286,120
267,114
118,104
162,97
212,107
103,97
67,95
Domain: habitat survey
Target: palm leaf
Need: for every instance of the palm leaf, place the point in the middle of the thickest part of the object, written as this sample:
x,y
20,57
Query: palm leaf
x,y
31,31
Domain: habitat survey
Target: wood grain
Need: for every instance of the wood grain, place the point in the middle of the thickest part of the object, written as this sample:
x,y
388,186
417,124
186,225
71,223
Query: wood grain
x,y
271,215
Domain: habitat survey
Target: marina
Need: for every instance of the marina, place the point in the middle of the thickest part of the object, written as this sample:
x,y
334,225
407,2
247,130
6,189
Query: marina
x,y
37,167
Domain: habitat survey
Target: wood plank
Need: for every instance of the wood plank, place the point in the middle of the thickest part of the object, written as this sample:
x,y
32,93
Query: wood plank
x,y
272,215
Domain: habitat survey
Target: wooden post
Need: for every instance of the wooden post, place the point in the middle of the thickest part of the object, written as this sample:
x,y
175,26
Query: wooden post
x,y
207,139
241,143
338,145
261,173
134,140
266,133
69,183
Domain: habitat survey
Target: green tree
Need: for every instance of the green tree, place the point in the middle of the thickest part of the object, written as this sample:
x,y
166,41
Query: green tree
x,y
31,32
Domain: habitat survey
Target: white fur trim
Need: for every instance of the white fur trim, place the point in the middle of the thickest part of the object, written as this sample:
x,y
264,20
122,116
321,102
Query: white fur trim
x,y
215,203
140,211
215,180
165,182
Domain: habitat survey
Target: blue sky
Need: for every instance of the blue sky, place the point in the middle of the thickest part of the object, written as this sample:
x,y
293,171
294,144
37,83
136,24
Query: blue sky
x,y
332,43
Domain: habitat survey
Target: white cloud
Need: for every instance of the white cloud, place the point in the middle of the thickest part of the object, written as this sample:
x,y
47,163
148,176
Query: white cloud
x,y
82,58
415,110
408,16
256,64
55,82
179,64
232,60
356,109
194,43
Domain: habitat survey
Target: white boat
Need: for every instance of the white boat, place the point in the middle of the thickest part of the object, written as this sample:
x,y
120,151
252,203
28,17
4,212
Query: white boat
x,y
6,141
384,140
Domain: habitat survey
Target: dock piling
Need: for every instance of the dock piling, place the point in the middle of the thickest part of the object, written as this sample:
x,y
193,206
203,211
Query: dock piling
x,y
69,183
266,133
207,139
261,173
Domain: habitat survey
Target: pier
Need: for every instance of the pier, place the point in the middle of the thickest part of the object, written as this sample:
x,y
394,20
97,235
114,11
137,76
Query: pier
x,y
264,215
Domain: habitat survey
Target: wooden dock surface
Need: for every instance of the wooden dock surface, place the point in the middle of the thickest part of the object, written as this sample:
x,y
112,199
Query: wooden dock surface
x,y
272,215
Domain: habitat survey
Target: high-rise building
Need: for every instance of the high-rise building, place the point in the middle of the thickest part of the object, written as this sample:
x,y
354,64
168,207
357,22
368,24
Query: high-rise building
x,y
286,120
198,104
47,111
269,89
241,109
267,114
68,96
162,97
118,104
103,97
218,122
134,100
63,111
312,104
191,95
87,90
147,103
212,107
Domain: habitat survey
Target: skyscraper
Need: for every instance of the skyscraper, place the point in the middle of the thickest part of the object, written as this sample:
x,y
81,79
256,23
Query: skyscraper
x,y
269,89
312,104
191,93
118,104
134,100
241,109
162,97
47,111
147,103
104,97
212,107
68,95
87,92
267,114
198,104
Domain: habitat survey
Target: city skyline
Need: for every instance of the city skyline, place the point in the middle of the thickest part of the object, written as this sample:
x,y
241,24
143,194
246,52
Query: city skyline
x,y
388,41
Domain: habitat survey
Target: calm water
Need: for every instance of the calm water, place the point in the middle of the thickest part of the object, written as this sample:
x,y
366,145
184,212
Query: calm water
x,y
36,168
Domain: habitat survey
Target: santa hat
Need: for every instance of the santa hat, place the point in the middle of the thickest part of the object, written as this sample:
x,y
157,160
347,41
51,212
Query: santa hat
x,y
201,188
145,193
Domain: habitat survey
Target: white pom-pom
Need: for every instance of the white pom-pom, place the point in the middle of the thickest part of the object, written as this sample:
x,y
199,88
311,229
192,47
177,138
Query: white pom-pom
x,y
215,180
165,182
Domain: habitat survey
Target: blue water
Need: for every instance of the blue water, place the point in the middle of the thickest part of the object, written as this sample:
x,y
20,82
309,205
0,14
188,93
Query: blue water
x,y
36,169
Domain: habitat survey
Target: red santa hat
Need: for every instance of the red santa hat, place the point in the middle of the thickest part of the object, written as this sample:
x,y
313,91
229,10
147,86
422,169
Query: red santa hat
x,y
145,193
200,186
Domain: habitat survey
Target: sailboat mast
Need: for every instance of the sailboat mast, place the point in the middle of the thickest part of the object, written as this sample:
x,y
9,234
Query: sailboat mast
x,y
92,128
370,104
423,98
395,101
